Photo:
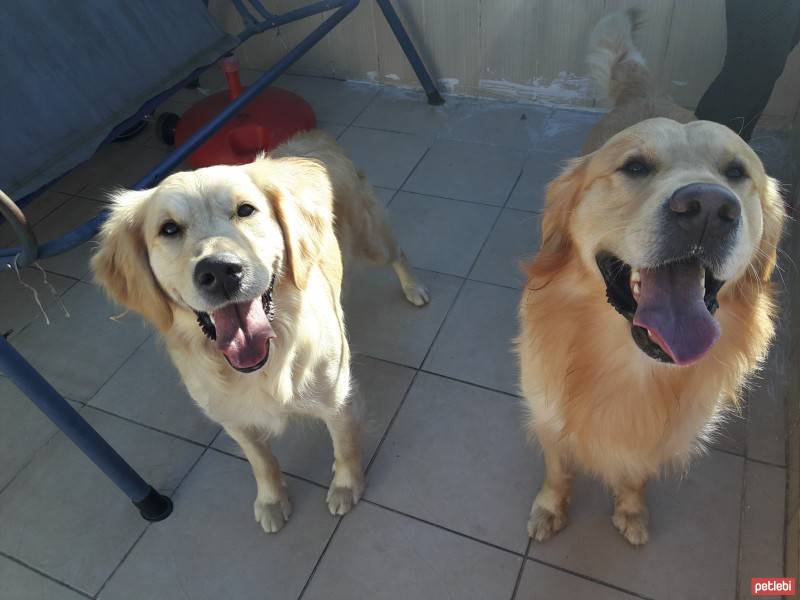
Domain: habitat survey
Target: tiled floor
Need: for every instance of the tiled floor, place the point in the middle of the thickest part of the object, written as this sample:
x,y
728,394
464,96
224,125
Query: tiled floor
x,y
450,473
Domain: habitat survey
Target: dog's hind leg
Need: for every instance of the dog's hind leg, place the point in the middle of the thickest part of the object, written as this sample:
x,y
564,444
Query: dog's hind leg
x,y
549,510
630,510
414,290
272,507
370,238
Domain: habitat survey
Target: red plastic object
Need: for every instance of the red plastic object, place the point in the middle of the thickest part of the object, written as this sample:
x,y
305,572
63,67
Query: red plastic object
x,y
271,118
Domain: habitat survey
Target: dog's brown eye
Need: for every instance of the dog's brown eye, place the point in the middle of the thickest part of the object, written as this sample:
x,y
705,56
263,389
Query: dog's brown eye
x,y
245,210
735,171
636,167
169,228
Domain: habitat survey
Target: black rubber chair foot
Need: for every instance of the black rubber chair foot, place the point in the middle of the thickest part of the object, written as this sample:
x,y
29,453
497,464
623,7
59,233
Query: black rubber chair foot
x,y
165,127
154,506
435,98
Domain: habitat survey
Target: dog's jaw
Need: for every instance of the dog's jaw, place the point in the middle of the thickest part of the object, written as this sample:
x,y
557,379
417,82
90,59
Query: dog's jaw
x,y
623,291
209,328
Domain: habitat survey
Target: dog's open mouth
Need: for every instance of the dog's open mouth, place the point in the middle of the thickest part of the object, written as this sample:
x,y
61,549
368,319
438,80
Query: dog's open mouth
x,y
670,306
242,331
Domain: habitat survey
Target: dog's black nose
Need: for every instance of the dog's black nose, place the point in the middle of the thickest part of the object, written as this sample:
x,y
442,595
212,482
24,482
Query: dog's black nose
x,y
700,219
705,209
219,273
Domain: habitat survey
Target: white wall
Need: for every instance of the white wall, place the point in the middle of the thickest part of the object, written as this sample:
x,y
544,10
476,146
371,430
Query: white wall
x,y
524,49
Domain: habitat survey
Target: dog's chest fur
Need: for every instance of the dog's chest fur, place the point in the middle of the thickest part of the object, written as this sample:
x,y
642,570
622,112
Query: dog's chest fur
x,y
614,410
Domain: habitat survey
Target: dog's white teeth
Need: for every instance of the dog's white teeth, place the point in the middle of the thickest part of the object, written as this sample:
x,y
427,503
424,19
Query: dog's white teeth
x,y
703,277
636,279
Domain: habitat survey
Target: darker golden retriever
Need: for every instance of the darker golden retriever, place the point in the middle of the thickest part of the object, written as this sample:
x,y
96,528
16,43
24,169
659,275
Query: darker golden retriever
x,y
649,302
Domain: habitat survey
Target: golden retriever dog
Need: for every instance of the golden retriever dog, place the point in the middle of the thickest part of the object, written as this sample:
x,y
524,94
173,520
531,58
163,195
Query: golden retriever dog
x,y
648,303
240,269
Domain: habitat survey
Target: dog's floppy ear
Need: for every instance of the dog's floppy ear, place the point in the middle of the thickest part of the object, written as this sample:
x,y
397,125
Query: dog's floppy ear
x,y
562,197
302,199
774,210
121,264
304,224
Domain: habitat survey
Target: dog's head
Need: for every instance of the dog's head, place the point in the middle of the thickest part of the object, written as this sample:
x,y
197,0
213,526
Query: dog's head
x,y
213,241
668,215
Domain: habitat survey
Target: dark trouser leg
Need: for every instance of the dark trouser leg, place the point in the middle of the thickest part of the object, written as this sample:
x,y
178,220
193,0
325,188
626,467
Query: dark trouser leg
x,y
760,36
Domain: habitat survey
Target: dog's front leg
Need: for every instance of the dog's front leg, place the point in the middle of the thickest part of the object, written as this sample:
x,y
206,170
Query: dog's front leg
x,y
348,475
549,510
630,510
272,507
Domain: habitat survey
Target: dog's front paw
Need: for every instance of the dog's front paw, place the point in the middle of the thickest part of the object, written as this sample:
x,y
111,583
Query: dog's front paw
x,y
344,493
272,516
633,526
544,524
417,293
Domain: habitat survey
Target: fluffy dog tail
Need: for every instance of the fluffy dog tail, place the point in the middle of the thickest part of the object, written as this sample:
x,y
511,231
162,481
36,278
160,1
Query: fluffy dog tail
x,y
616,65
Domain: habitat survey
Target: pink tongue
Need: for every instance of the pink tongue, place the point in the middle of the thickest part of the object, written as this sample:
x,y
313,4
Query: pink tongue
x,y
243,333
671,307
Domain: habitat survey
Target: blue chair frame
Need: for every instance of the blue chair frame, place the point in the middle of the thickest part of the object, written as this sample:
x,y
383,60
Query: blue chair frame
x,y
152,505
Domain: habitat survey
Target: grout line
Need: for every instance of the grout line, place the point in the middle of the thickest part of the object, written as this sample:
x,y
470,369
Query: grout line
x,y
410,173
521,569
742,496
500,206
391,422
362,111
105,203
44,574
730,452
589,578
747,458
514,187
495,284
124,558
242,458
385,130
473,384
460,534
149,523
147,338
66,199
31,459
456,379
321,556
39,449
176,436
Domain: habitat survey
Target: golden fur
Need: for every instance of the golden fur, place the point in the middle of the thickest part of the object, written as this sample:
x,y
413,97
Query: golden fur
x,y
311,204
595,399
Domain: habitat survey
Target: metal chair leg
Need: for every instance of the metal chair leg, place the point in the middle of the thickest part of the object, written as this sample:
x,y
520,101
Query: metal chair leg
x,y
434,97
152,505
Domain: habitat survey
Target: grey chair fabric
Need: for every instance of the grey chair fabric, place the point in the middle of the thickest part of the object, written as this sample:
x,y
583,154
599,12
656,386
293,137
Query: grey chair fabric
x,y
72,70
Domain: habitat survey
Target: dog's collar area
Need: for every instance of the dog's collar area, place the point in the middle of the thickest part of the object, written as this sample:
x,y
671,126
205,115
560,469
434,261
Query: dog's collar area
x,y
617,275
207,325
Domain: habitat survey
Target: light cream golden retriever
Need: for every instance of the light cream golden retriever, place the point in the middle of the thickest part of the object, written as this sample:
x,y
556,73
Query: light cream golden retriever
x,y
240,269
649,301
